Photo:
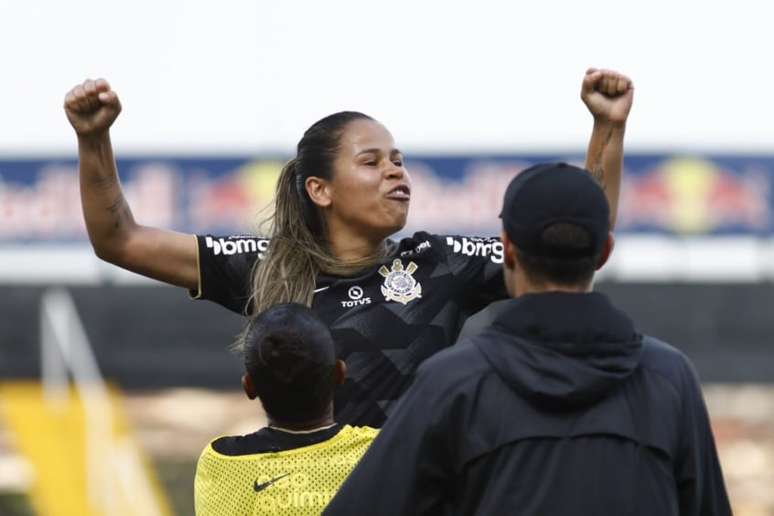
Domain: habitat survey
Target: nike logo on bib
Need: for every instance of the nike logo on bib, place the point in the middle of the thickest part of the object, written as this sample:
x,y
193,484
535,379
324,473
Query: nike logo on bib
x,y
260,487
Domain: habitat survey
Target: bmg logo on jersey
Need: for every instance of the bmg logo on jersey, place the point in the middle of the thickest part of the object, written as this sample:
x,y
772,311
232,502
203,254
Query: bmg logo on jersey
x,y
477,246
229,246
356,298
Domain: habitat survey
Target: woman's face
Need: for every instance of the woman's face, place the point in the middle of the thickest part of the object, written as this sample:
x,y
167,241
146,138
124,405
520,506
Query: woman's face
x,y
370,189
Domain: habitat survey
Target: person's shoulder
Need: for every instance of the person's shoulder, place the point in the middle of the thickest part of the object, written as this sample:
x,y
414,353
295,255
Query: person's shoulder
x,y
450,245
666,360
359,432
239,445
228,445
421,243
209,457
208,451
466,247
455,365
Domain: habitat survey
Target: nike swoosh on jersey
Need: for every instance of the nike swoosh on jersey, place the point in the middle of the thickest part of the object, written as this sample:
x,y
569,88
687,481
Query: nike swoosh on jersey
x,y
260,487
321,289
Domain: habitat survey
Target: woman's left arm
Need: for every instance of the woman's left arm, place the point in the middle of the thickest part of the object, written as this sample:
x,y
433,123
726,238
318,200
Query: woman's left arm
x,y
608,95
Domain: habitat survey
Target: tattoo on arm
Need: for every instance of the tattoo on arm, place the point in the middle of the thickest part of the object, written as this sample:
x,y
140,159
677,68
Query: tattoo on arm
x,y
598,173
119,210
597,168
103,181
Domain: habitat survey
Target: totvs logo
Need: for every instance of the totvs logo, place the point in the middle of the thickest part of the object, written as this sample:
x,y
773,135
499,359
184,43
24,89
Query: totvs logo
x,y
356,298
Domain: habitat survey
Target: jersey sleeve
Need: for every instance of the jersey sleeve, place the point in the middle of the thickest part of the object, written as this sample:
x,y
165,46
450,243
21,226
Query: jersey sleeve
x,y
476,263
225,269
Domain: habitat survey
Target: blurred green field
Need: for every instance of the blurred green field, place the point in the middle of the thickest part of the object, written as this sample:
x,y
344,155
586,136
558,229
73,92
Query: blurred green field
x,y
176,478
15,505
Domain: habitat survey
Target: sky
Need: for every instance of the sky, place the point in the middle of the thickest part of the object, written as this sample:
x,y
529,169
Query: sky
x,y
449,77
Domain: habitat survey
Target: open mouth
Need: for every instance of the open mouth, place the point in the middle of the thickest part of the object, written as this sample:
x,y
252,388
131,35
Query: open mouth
x,y
400,193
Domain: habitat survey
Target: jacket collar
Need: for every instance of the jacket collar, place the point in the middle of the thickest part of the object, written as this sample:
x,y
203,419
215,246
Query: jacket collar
x,y
566,321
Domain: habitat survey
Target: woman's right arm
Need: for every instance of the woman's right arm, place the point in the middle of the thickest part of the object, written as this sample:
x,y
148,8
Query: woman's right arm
x,y
167,256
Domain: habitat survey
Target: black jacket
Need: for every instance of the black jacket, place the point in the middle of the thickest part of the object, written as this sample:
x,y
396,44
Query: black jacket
x,y
558,408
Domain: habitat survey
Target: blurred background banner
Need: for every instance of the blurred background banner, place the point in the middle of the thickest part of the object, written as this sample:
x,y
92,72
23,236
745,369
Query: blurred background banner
x,y
215,97
693,265
662,194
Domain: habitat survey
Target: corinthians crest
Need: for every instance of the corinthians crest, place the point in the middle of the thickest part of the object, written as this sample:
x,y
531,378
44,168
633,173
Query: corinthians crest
x,y
399,284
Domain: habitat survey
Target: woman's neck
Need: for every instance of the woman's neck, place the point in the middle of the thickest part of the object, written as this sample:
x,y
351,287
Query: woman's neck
x,y
350,246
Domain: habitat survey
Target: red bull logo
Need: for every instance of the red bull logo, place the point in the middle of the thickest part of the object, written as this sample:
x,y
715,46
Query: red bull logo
x,y
470,204
235,200
694,196
48,206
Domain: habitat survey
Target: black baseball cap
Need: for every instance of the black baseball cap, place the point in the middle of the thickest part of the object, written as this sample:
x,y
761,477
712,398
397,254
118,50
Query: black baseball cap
x,y
551,193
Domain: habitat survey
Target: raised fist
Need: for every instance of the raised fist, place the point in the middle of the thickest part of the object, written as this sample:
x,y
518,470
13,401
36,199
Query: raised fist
x,y
607,94
92,107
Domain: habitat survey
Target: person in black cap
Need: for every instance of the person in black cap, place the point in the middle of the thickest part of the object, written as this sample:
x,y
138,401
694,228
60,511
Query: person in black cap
x,y
560,406
296,463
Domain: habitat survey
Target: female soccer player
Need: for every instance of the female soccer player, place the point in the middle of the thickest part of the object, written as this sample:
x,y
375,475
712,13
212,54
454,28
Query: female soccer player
x,y
389,304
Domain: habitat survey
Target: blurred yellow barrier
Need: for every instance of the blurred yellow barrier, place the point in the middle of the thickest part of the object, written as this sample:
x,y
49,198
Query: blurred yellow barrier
x,y
85,461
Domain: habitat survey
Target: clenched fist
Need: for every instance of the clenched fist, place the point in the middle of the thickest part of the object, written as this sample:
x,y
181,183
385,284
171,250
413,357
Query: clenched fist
x,y
607,94
92,107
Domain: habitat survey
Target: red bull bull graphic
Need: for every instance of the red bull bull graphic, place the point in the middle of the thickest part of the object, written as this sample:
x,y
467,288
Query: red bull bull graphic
x,y
669,195
689,196
234,201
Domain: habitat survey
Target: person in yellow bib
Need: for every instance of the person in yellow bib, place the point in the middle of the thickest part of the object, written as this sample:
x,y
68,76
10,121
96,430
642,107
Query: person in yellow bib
x,y
295,464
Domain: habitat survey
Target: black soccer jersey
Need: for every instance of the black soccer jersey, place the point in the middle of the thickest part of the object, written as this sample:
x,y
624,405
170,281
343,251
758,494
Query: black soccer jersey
x,y
385,321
